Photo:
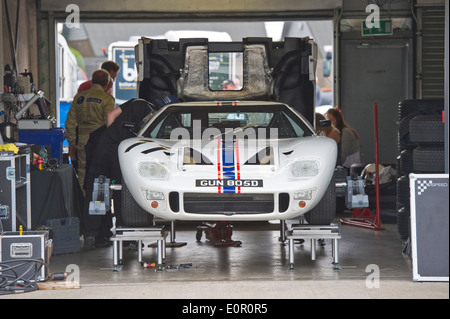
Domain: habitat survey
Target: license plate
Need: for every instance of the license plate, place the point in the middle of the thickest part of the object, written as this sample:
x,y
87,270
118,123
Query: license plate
x,y
229,183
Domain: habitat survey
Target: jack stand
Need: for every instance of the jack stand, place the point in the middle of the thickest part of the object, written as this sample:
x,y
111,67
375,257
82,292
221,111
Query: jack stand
x,y
139,235
315,233
286,225
361,223
282,237
362,213
173,243
362,218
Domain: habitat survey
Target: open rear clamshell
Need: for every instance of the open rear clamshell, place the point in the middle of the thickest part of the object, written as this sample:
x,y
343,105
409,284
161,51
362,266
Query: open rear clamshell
x,y
254,69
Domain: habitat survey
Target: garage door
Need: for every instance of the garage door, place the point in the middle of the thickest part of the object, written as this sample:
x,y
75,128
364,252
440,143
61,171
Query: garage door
x,y
374,74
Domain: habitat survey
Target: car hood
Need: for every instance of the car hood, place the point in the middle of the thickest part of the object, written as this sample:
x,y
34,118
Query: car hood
x,y
236,156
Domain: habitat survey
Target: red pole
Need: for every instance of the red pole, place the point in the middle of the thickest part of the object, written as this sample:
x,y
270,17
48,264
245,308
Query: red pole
x,y
362,222
377,173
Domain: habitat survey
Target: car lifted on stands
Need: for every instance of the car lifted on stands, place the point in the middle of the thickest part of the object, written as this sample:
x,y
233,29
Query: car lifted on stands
x,y
240,145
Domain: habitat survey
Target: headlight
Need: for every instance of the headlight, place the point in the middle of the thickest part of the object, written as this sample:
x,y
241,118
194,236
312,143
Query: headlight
x,y
304,169
153,170
304,195
152,195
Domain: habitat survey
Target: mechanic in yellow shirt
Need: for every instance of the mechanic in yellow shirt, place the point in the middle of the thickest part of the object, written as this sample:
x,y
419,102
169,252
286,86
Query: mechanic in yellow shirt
x,y
87,113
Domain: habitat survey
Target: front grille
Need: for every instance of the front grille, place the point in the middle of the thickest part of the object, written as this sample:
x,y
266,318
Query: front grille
x,y
228,203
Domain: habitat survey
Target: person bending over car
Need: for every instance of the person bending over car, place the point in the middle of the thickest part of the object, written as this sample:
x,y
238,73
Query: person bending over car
x,y
102,159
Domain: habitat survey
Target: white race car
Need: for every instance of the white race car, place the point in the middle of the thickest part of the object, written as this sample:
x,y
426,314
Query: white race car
x,y
229,161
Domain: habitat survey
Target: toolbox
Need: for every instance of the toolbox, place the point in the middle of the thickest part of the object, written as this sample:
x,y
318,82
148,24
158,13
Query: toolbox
x,y
24,255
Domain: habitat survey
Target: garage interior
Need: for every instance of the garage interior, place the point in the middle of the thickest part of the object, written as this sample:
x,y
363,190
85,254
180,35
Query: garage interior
x,y
391,70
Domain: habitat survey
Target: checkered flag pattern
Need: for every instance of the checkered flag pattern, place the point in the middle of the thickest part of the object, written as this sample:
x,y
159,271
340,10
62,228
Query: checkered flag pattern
x,y
422,186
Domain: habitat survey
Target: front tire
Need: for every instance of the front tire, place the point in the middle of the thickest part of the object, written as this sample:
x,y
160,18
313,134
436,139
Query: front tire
x,y
325,211
132,214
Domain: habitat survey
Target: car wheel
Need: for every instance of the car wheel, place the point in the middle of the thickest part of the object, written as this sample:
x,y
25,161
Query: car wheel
x,y
132,214
429,159
403,192
427,129
403,223
406,162
408,110
420,106
325,211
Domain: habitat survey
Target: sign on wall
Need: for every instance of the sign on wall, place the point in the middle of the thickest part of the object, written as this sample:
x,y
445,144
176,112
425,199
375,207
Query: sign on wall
x,y
125,84
384,28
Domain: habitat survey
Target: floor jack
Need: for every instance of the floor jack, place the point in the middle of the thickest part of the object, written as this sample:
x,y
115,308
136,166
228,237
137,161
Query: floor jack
x,y
218,233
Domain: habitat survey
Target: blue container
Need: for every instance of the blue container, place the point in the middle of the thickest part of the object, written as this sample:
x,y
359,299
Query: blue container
x,y
52,140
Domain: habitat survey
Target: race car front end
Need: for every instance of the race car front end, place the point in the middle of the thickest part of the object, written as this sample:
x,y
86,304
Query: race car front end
x,y
227,179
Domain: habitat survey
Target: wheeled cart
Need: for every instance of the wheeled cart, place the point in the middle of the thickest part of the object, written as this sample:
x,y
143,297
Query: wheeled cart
x,y
139,234
314,233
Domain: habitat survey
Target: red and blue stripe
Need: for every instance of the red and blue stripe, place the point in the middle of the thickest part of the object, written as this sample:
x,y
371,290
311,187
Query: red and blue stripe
x,y
228,165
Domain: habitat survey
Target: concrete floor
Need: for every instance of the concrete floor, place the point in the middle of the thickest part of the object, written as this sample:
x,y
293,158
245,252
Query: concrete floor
x,y
259,269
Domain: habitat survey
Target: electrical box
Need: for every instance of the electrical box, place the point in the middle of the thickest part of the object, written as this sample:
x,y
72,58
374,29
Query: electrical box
x,y
25,255
34,124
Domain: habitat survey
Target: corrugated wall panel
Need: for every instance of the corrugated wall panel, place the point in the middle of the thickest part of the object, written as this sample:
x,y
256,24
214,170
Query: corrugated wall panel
x,y
431,55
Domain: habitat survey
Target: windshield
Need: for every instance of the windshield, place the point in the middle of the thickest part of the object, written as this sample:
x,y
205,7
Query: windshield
x,y
199,122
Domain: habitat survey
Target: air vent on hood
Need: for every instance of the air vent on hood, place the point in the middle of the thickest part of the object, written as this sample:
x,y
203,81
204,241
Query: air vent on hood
x,y
193,157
